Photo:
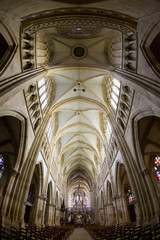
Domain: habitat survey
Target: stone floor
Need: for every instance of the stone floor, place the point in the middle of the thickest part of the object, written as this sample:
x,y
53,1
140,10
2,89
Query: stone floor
x,y
80,234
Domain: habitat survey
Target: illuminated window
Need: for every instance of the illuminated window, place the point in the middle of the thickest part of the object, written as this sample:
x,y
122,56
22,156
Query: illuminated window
x,y
42,90
50,131
44,104
42,85
41,82
51,127
108,130
157,167
1,166
43,97
112,89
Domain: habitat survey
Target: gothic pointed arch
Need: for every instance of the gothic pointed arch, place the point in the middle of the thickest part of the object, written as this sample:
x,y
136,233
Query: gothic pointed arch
x,y
8,47
34,195
126,194
145,135
150,47
12,148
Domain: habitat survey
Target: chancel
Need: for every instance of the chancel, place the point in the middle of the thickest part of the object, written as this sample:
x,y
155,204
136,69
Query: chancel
x,y
79,119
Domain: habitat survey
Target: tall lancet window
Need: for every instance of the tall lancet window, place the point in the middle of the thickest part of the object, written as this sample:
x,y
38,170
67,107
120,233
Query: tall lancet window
x,y
42,85
107,128
112,89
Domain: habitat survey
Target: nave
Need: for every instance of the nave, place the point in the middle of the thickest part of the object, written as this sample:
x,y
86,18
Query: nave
x,y
79,117
90,232
80,234
125,232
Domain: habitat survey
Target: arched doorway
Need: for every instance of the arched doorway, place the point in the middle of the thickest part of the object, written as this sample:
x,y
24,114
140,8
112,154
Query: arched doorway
x,y
30,216
149,141
29,204
130,201
10,159
126,206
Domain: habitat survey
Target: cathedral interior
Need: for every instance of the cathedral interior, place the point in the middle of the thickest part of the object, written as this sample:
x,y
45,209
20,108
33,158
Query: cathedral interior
x,y
79,113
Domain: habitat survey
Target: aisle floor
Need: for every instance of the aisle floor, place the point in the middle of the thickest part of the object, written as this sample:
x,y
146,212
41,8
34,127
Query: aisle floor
x,y
80,234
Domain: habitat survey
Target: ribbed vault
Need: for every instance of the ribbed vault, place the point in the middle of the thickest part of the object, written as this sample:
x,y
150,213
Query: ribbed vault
x,y
79,133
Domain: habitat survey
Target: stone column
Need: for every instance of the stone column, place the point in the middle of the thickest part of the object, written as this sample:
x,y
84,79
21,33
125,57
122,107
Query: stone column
x,y
9,202
91,198
121,214
57,216
37,211
66,198
49,214
151,203
101,217
110,214
125,210
96,216
105,215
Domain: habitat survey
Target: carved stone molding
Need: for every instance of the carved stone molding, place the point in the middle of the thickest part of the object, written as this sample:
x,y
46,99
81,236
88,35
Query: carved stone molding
x,y
81,11
81,17
9,46
78,22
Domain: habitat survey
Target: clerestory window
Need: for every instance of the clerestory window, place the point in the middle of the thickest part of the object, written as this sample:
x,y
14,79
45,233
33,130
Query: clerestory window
x,y
42,85
112,89
50,129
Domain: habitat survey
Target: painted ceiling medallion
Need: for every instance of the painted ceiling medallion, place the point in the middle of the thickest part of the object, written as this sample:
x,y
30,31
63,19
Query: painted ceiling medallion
x,y
80,31
79,1
79,51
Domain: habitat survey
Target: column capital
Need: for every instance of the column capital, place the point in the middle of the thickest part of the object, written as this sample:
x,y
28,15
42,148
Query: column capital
x,y
15,173
145,172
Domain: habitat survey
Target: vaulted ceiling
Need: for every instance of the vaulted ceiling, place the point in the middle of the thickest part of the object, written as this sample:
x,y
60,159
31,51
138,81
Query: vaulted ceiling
x,y
81,37
79,102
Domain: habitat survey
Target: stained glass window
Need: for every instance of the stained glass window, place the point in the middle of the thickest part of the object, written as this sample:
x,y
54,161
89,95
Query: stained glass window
x,y
1,166
130,196
85,198
157,167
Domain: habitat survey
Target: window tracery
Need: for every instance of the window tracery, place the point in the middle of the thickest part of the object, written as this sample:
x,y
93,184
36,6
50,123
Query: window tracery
x,y
42,85
107,128
50,129
124,106
46,91
112,89
27,51
38,96
130,52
